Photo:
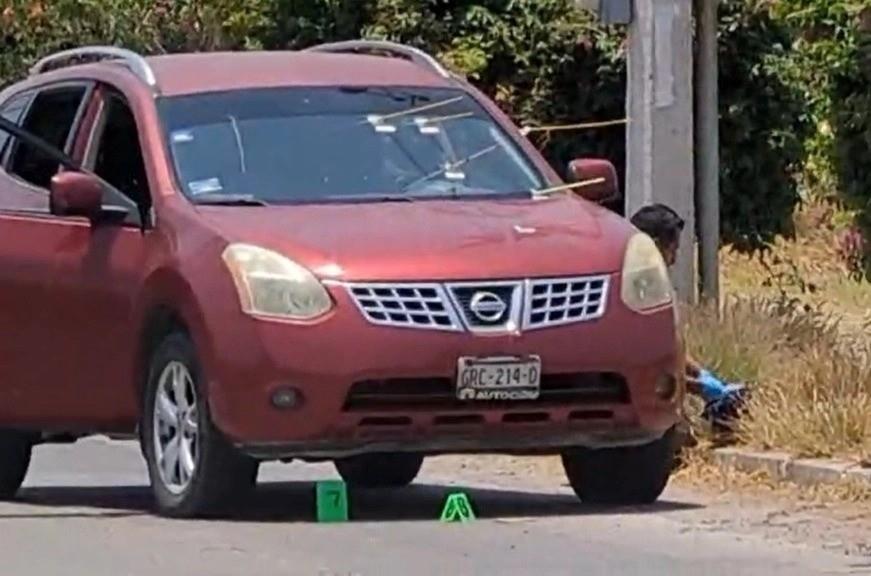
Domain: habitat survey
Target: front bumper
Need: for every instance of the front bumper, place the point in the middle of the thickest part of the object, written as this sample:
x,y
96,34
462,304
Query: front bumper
x,y
248,360
529,442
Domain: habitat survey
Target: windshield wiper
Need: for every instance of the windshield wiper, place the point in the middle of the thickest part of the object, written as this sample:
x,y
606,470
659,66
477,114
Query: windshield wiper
x,y
368,198
228,200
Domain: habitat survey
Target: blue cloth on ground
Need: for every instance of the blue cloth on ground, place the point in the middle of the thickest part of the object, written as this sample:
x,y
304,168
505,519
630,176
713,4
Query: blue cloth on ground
x,y
713,388
723,401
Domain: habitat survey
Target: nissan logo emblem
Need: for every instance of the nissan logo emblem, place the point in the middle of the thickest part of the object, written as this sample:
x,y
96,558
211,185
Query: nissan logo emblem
x,y
487,307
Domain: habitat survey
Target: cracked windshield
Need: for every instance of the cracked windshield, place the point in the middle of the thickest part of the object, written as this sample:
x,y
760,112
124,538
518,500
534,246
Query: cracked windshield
x,y
277,146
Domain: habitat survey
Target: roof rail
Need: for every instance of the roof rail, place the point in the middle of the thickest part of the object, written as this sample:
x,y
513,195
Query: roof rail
x,y
393,49
132,60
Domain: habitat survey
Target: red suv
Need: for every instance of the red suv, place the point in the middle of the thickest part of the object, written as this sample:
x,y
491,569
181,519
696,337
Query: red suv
x,y
346,253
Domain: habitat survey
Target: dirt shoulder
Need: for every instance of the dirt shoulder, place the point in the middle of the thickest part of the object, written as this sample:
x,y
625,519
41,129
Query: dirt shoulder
x,y
705,499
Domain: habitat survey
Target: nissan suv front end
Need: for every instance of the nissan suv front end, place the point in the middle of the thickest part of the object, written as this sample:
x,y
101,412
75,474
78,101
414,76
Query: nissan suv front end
x,y
332,255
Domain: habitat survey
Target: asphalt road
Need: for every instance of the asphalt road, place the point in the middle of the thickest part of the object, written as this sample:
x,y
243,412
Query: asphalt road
x,y
86,510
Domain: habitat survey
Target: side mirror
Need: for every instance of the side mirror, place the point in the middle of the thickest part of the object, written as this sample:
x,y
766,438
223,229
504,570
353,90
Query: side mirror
x,y
76,194
595,169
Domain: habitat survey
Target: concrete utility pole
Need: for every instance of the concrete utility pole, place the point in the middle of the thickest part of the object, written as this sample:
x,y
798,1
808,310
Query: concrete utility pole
x,y
660,109
708,148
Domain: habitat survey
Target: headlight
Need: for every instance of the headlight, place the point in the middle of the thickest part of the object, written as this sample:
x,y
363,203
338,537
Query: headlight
x,y
645,284
270,284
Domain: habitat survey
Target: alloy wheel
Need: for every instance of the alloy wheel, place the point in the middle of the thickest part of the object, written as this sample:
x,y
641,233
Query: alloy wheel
x,y
176,428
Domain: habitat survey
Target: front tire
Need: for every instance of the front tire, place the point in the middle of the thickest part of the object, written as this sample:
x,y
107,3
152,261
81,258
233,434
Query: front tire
x,y
194,470
626,476
15,451
380,470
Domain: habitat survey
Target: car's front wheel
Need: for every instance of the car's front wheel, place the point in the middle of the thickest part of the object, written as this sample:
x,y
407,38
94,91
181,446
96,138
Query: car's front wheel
x,y
15,450
380,470
194,470
621,476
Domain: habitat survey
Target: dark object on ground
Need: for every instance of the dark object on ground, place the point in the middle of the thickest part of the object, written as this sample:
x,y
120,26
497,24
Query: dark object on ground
x,y
380,470
723,412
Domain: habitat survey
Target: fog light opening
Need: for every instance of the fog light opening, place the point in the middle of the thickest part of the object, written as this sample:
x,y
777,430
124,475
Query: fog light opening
x,y
666,387
286,398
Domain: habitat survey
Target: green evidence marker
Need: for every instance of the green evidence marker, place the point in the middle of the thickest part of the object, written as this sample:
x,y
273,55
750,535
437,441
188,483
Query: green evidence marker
x,y
457,508
331,499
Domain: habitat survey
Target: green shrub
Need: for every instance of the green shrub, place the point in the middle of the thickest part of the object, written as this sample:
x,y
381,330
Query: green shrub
x,y
830,63
851,120
763,125
33,28
543,61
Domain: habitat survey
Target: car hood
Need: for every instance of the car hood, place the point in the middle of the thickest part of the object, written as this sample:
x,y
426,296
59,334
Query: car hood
x,y
435,239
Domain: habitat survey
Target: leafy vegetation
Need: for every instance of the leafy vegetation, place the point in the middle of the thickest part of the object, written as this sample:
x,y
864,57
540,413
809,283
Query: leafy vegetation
x,y
794,74
544,61
763,125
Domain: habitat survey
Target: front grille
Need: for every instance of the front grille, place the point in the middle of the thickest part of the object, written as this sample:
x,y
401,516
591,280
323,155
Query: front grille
x,y
440,393
502,306
412,306
557,302
488,306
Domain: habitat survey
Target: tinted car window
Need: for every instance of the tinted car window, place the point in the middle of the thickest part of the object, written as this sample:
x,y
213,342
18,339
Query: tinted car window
x,y
12,111
119,156
303,144
51,117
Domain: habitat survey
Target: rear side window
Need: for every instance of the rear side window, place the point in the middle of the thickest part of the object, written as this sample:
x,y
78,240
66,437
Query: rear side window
x,y
12,111
51,117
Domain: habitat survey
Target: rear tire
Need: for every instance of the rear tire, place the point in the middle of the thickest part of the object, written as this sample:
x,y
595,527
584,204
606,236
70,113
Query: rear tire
x,y
15,451
194,470
391,470
634,475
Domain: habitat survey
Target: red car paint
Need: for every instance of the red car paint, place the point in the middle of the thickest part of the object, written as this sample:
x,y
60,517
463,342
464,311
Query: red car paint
x,y
77,300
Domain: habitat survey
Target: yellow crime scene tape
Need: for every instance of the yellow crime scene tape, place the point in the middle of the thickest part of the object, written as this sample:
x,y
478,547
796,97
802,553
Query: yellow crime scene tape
x,y
527,130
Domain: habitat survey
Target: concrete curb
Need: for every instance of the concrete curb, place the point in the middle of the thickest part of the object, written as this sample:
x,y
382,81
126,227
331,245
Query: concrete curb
x,y
800,471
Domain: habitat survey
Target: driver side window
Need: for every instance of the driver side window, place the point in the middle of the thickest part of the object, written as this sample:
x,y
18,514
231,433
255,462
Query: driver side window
x,y
118,156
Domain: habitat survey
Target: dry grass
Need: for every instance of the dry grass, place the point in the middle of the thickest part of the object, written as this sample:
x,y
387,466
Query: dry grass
x,y
810,394
807,267
794,328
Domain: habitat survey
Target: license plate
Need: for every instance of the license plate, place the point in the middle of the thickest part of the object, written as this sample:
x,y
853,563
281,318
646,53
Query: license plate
x,y
499,378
